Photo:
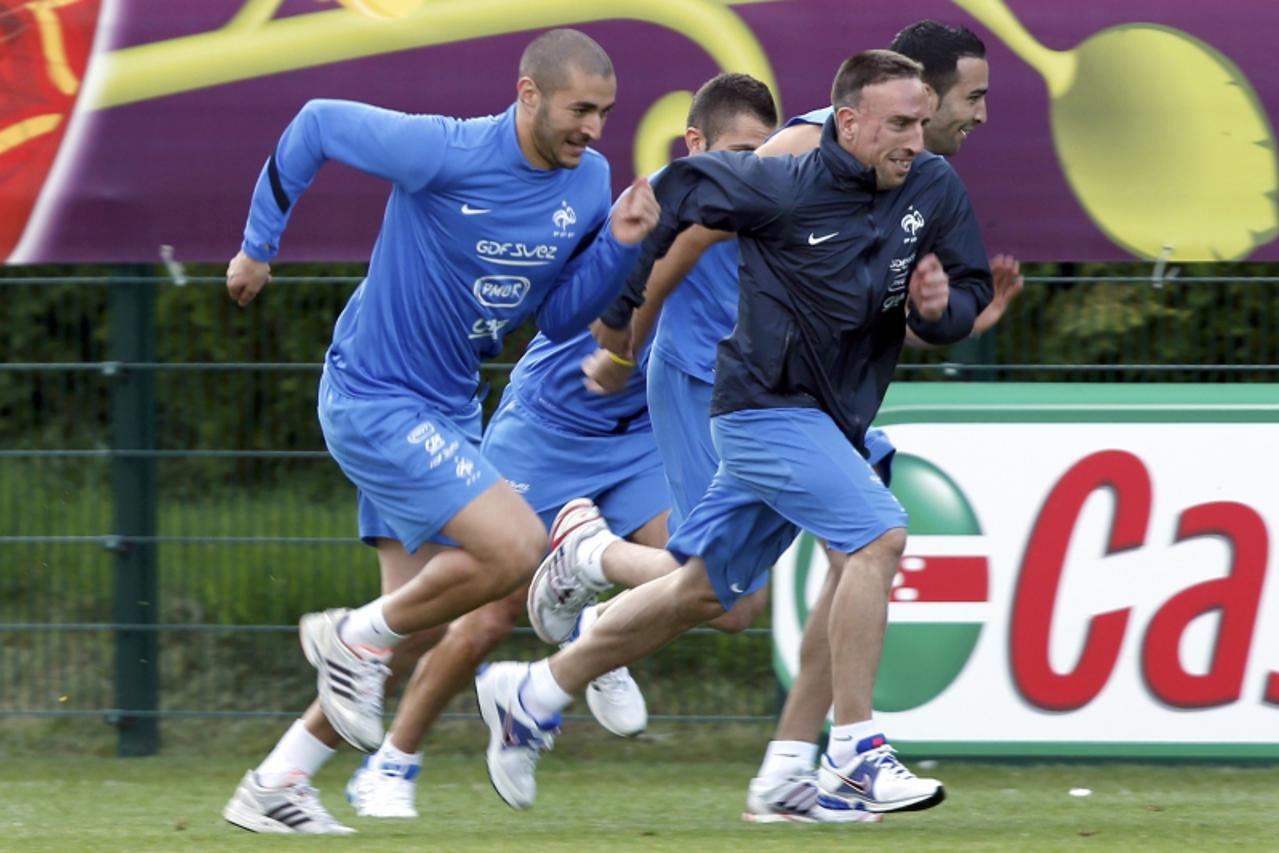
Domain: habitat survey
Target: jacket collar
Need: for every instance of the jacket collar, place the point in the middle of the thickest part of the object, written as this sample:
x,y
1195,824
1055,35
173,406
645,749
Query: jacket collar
x,y
848,171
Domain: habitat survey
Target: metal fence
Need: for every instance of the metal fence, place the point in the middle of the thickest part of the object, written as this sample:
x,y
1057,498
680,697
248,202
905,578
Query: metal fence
x,y
167,509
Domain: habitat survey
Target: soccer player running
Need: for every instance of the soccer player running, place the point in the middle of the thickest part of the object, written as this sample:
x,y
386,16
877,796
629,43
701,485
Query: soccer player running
x,y
398,399
681,371
822,318
554,440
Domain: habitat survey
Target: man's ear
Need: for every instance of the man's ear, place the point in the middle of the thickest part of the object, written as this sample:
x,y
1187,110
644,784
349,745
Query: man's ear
x,y
695,141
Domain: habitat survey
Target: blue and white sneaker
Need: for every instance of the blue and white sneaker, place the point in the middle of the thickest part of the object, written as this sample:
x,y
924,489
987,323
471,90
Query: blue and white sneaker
x,y
875,779
381,788
516,740
795,798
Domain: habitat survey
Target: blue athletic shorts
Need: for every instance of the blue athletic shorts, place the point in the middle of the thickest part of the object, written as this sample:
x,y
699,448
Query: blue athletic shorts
x,y
781,471
414,467
550,466
679,407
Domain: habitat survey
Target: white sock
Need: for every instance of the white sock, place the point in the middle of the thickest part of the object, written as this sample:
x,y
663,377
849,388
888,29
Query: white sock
x,y
592,552
788,757
389,754
844,740
366,626
296,758
541,695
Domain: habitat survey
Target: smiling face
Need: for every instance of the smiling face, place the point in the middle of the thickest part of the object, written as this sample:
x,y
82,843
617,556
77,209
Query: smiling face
x,y
555,128
885,131
961,109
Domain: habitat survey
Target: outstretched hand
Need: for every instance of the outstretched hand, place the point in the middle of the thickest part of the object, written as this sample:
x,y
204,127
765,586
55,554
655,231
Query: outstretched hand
x,y
929,288
245,277
1007,281
635,213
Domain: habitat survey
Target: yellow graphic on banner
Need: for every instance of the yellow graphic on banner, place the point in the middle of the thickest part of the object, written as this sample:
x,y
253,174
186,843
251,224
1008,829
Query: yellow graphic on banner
x,y
254,44
1162,139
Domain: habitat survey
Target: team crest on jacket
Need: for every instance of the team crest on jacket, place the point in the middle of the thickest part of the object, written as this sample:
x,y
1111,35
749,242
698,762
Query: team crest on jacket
x,y
912,222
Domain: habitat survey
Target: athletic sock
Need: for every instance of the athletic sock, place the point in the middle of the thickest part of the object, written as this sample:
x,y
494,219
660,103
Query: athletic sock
x,y
366,627
788,758
390,756
846,740
296,757
591,551
541,695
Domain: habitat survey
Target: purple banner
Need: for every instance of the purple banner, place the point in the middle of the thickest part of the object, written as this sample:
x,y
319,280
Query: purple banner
x,y
1116,129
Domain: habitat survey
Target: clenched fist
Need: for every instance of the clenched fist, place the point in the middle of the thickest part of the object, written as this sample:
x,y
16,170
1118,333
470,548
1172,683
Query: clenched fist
x,y
245,277
929,289
635,213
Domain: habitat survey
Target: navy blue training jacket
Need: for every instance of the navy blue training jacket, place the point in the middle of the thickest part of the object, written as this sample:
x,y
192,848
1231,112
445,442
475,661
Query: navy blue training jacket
x,y
825,265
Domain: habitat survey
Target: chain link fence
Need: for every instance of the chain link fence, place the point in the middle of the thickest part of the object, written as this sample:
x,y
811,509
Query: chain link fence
x,y
167,509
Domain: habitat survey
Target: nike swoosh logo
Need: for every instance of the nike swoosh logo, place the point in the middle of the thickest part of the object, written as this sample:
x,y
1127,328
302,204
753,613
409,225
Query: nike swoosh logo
x,y
467,210
813,239
736,588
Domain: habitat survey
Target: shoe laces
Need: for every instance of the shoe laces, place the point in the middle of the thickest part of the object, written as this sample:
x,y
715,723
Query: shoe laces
x,y
395,789
307,799
614,682
567,588
883,758
370,682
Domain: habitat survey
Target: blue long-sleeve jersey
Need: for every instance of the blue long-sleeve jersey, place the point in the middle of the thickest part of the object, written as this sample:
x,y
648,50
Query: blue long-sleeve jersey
x,y
826,263
473,240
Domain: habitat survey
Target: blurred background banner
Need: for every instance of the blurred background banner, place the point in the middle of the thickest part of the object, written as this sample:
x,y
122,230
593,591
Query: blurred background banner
x,y
1116,129
1086,573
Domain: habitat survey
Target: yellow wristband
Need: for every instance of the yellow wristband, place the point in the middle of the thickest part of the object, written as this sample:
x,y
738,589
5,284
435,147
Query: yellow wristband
x,y
618,360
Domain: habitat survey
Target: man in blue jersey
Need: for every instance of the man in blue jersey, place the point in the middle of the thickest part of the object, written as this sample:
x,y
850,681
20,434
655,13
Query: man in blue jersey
x,y
681,373
489,220
554,440
822,318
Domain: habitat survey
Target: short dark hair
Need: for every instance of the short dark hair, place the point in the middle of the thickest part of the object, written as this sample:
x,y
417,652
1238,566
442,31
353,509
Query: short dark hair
x,y
726,96
938,48
548,58
866,69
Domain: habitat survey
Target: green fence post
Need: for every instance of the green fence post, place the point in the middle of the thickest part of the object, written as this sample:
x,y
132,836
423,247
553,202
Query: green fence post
x,y
133,492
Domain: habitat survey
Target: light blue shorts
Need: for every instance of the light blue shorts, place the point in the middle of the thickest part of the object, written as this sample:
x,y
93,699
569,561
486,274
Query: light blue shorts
x,y
679,406
550,466
781,471
414,467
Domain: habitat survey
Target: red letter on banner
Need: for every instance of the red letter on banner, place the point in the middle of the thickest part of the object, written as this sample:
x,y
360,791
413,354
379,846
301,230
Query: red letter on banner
x,y
1237,596
1041,570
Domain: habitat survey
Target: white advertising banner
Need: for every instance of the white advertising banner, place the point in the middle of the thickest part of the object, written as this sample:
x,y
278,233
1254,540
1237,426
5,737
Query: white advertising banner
x,y
1090,571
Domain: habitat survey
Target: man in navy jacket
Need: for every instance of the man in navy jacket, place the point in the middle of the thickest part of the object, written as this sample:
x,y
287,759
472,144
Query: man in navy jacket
x,y
841,250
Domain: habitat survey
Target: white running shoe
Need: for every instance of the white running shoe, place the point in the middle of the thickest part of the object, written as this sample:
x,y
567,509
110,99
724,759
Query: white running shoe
x,y
516,740
795,798
384,789
875,779
560,589
617,703
293,808
349,681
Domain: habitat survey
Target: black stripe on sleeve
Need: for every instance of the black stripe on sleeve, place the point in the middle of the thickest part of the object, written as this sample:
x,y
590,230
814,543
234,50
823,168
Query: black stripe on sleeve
x,y
277,188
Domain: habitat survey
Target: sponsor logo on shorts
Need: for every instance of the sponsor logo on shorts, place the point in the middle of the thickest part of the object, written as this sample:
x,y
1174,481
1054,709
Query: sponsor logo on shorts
x,y
420,432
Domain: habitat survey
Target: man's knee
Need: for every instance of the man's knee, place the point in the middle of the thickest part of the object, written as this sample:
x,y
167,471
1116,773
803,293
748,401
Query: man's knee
x,y
695,595
514,554
478,633
743,614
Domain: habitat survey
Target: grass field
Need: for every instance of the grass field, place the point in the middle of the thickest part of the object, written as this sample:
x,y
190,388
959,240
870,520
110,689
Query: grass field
x,y
672,790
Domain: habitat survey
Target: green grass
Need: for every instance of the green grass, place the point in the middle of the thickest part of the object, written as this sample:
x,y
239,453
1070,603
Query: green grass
x,y
679,789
